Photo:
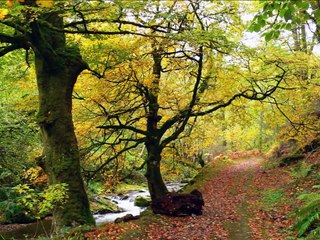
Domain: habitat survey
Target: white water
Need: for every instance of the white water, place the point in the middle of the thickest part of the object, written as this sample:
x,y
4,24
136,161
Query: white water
x,y
126,202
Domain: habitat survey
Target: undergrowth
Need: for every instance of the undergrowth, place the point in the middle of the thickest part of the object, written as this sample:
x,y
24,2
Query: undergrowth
x,y
308,215
301,170
271,198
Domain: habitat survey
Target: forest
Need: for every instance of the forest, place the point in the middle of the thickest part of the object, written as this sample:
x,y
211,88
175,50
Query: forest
x,y
203,116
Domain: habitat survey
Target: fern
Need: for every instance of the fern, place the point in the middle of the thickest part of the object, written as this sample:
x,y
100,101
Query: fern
x,y
308,215
300,171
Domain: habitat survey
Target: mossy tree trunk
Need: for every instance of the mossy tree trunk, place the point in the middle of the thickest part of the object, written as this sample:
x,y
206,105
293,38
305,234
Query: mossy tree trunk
x,y
57,69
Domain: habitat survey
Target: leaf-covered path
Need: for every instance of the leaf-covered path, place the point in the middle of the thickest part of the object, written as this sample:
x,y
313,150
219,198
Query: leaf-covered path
x,y
225,214
231,208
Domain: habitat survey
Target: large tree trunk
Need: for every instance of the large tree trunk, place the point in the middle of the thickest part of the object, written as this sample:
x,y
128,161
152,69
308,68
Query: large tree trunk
x,y
57,69
156,185
62,161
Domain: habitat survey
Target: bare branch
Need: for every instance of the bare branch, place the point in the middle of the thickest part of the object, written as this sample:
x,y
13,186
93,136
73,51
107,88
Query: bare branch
x,y
138,142
123,127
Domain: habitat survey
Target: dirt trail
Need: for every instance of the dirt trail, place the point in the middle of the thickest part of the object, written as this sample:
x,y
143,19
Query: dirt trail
x,y
225,214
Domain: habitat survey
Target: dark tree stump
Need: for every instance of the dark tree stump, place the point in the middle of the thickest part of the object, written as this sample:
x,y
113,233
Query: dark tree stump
x,y
175,204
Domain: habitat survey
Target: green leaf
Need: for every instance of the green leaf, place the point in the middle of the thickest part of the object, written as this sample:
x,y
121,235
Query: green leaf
x,y
282,12
288,14
303,5
276,5
276,34
316,14
267,7
288,26
254,27
268,36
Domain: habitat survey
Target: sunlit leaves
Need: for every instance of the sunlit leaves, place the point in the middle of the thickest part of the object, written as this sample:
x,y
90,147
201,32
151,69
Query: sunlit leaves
x,y
38,204
279,15
3,13
45,3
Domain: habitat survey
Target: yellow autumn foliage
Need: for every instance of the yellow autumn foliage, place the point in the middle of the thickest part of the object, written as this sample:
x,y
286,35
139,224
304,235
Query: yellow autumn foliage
x,y
45,3
3,13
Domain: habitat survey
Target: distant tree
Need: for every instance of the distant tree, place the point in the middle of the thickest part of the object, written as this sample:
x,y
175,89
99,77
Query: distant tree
x,y
300,20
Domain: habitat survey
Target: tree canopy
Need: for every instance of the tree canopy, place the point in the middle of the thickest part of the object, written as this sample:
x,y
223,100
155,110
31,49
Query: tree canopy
x,y
128,86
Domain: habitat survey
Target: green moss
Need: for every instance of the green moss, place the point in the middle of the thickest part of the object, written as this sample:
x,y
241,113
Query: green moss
x,y
270,164
301,170
142,201
143,223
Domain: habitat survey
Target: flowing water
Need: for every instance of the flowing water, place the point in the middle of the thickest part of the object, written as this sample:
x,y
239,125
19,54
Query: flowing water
x,y
126,202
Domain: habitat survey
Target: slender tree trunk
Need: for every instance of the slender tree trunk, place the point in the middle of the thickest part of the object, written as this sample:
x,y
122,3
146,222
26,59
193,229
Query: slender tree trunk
x,y
296,38
304,43
57,69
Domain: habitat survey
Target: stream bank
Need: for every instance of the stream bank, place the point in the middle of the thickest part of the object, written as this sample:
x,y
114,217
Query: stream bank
x,y
122,201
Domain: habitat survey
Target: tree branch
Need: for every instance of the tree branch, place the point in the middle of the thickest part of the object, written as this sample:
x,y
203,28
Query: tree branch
x,y
123,127
139,141
188,112
5,50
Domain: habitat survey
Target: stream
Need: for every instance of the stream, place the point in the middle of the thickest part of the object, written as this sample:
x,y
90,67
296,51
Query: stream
x,y
125,201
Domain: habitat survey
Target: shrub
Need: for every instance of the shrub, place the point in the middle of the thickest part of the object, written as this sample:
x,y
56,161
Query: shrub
x,y
40,204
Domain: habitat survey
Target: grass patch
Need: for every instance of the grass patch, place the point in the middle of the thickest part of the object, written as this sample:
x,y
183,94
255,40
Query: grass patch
x,y
271,198
270,164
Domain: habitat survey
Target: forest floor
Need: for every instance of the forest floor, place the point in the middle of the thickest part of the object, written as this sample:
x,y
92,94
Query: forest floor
x,y
243,200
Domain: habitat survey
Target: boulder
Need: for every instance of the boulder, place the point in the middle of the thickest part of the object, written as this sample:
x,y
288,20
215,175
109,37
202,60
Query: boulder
x,y
142,201
102,205
177,204
126,218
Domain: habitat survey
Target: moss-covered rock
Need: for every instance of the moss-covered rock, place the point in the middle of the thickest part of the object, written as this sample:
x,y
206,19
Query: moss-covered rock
x,y
142,201
102,205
